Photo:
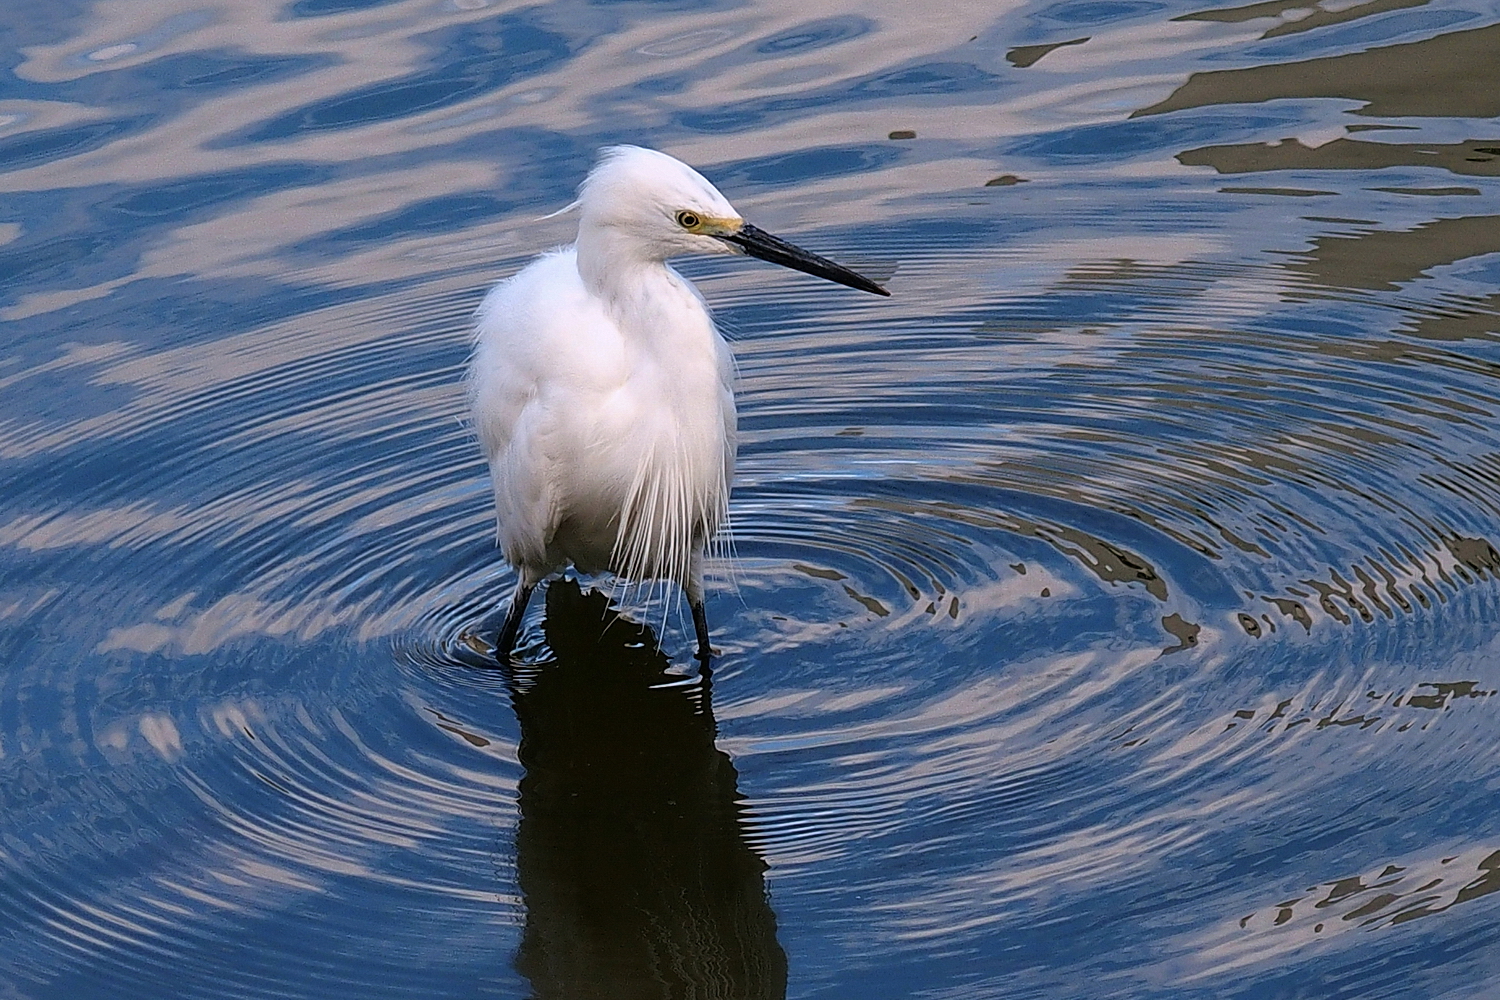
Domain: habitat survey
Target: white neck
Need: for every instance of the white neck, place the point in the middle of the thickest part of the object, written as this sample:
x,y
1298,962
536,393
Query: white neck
x,y
614,264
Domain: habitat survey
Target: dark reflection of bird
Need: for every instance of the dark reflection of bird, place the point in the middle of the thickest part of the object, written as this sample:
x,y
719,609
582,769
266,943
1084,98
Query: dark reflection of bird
x,y
630,852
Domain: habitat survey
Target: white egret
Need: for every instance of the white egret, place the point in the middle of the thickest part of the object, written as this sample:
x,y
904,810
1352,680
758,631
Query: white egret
x,y
602,393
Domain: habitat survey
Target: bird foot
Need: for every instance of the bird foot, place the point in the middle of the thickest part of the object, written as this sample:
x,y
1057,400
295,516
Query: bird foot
x,y
477,643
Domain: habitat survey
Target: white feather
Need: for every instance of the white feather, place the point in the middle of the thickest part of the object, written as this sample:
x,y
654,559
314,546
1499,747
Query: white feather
x,y
602,392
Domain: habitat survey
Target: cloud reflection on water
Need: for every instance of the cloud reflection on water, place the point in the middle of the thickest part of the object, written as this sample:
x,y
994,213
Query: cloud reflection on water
x,y
1221,370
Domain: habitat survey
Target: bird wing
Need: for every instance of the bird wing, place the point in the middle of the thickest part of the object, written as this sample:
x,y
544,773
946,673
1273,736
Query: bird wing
x,y
542,346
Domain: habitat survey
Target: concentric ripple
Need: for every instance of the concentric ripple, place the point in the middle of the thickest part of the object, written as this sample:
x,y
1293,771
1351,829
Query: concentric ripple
x,y
1109,612
1033,609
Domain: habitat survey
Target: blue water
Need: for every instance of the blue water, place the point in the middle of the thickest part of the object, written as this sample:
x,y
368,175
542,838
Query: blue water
x,y
1110,613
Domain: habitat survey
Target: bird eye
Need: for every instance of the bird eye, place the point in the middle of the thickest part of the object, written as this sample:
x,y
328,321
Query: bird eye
x,y
688,220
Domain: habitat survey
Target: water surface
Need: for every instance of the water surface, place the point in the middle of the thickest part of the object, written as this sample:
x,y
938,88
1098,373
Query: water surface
x,y
1110,611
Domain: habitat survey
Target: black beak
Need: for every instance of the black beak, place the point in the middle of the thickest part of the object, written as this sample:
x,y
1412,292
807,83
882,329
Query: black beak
x,y
758,243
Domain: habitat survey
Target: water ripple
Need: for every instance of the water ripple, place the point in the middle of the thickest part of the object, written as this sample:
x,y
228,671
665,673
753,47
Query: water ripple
x,y
1113,605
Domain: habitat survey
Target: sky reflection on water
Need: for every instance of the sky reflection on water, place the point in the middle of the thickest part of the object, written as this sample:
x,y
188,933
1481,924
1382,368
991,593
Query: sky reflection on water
x,y
1111,610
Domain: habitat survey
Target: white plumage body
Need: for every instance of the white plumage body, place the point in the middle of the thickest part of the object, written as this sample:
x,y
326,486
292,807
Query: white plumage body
x,y
607,416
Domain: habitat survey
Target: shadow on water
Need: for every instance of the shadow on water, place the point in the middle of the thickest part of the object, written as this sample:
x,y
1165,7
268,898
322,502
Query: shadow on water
x,y
631,850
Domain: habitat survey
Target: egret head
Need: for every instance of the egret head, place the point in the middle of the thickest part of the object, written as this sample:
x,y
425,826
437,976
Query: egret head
x,y
661,208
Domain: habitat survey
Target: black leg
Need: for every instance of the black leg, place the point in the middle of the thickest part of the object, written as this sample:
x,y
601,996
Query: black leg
x,y
700,625
512,627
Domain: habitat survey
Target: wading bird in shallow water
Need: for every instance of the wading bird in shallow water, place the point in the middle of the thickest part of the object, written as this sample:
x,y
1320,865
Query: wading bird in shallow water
x,y
602,392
